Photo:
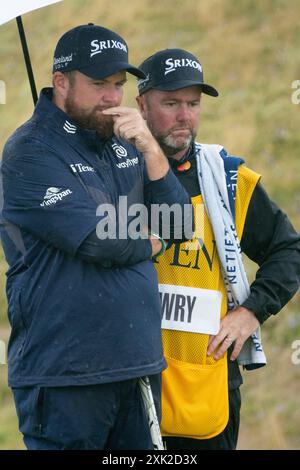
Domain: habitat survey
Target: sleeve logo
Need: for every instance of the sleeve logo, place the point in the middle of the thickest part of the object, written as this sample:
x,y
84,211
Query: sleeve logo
x,y
53,195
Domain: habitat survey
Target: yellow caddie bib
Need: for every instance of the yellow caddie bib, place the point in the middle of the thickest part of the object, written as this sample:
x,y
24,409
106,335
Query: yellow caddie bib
x,y
193,296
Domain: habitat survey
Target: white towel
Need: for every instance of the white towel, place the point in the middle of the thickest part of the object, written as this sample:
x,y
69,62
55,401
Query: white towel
x,y
212,181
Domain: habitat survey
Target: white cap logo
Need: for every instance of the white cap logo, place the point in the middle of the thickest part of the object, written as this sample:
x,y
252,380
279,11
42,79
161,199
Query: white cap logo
x,y
98,46
172,64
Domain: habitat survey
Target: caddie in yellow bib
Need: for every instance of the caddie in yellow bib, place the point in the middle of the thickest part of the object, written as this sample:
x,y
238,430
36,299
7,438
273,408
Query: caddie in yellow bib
x,y
194,299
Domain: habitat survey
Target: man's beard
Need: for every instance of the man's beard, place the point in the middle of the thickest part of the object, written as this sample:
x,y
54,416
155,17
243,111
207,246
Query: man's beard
x,y
93,120
169,145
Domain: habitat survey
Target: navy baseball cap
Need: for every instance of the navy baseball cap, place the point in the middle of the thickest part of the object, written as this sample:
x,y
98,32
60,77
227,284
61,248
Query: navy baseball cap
x,y
172,69
93,50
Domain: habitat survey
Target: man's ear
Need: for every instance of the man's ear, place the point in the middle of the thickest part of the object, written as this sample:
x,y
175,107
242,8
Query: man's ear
x,y
61,84
142,105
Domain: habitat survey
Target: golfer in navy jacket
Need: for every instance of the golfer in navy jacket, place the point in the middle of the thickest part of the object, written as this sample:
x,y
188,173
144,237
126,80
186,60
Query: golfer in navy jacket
x,y
85,311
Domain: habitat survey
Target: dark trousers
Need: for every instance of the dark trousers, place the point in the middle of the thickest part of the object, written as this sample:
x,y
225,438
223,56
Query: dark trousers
x,y
105,416
226,440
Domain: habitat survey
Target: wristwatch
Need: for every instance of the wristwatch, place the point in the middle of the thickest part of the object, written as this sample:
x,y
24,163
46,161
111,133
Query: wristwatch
x,y
163,245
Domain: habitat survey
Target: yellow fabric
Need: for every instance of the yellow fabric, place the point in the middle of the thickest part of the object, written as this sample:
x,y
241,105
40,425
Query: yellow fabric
x,y
195,387
247,180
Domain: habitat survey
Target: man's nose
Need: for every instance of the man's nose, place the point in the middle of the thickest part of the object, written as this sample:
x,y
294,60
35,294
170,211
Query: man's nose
x,y
183,113
111,95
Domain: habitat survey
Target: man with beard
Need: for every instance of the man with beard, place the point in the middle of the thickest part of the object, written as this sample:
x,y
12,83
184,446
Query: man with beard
x,y
218,312
83,299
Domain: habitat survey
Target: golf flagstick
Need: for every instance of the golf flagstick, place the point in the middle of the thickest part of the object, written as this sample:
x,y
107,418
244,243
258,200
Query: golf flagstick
x,y
148,401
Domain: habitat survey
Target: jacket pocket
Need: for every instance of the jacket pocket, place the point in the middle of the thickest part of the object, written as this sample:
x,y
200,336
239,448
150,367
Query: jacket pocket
x,y
40,403
14,311
30,406
194,399
16,318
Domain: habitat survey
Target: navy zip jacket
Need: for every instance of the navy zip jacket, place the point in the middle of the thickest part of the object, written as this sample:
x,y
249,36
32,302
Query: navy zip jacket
x,y
73,321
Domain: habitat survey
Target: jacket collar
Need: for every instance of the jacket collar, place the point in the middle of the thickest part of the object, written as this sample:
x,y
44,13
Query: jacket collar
x,y
61,123
188,156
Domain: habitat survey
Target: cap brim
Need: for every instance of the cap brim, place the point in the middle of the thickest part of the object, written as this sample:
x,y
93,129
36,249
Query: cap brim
x,y
178,84
102,71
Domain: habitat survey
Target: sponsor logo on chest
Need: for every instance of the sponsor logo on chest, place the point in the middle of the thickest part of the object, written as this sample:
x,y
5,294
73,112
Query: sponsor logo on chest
x,y
80,168
122,153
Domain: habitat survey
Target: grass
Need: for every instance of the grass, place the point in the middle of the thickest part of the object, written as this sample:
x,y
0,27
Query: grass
x,y
10,437
250,51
